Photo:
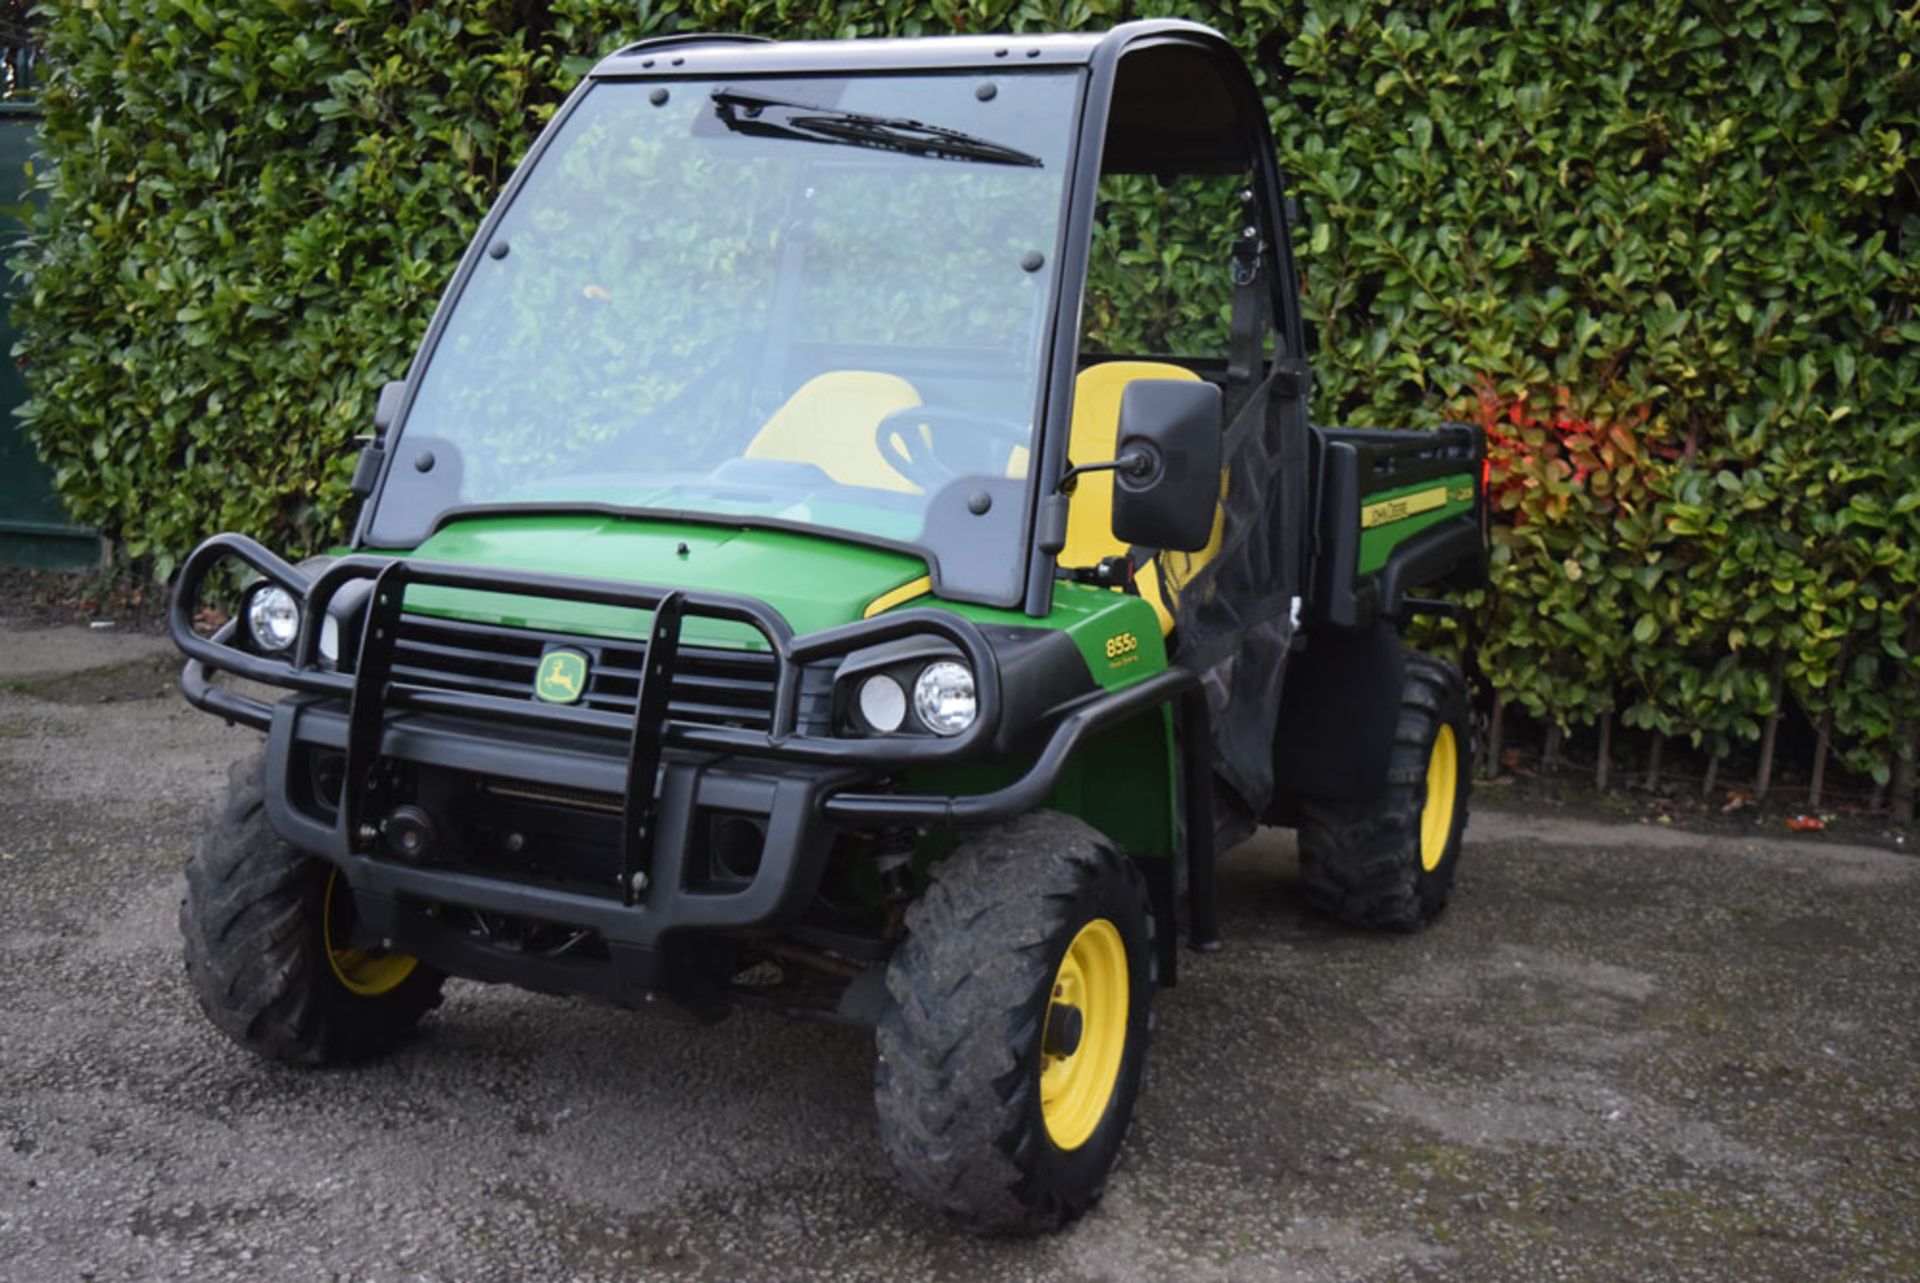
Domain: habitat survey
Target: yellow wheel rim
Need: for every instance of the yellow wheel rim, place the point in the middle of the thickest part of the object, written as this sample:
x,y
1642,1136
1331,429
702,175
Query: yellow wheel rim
x,y
366,972
1443,782
1091,986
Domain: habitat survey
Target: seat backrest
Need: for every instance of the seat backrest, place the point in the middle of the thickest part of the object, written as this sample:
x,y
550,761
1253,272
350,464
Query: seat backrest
x,y
830,422
1096,419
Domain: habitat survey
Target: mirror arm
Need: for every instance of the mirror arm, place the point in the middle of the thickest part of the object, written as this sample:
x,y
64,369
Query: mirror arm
x,y
1051,537
366,469
1134,463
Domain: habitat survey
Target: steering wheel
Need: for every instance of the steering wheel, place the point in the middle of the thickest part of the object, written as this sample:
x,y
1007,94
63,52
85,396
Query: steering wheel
x,y
915,443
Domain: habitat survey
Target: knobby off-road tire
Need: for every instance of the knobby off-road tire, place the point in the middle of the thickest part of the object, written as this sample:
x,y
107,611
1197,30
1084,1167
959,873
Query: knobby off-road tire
x,y
982,1111
1388,865
257,935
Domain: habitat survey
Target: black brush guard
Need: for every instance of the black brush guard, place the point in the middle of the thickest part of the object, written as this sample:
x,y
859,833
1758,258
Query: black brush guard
x,y
806,784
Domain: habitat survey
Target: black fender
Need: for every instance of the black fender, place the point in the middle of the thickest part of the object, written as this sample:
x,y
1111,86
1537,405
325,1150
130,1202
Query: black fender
x,y
1453,554
1338,711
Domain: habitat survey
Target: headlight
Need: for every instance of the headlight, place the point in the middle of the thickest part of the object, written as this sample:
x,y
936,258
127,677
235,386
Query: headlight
x,y
882,703
943,697
273,618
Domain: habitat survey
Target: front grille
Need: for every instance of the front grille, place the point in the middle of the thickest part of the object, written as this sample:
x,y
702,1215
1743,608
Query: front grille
x,y
712,687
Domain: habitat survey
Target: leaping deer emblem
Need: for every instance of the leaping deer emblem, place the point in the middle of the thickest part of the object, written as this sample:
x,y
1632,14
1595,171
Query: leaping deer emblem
x,y
560,675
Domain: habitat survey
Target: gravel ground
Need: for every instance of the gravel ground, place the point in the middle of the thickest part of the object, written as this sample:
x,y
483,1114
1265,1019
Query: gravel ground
x,y
1626,1053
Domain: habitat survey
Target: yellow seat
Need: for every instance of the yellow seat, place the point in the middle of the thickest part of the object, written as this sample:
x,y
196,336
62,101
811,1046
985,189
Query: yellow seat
x,y
830,422
1096,418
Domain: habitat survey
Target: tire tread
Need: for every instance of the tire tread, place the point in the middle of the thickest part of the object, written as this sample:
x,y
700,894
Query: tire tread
x,y
953,1096
249,928
1359,861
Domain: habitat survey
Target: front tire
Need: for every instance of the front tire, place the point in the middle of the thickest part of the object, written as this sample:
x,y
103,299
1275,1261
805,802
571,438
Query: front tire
x,y
1389,864
1013,1053
264,925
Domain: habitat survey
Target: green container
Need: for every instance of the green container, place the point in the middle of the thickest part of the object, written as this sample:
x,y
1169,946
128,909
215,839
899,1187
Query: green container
x,y
34,529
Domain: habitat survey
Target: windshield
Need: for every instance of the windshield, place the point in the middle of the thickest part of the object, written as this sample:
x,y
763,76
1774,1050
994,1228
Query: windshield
x,y
800,301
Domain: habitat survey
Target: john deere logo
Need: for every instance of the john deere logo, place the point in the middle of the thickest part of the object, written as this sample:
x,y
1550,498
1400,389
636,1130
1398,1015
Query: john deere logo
x,y
562,678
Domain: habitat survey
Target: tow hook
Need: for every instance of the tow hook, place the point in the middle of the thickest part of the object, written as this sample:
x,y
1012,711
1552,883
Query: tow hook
x,y
409,832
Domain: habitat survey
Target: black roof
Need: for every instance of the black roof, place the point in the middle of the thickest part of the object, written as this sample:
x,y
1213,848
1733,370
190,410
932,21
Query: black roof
x,y
702,54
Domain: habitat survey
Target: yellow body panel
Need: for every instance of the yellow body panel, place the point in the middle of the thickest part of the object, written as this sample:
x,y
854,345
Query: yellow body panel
x,y
894,596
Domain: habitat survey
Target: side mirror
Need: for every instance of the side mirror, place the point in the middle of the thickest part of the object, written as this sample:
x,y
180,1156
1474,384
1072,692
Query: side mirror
x,y
1168,500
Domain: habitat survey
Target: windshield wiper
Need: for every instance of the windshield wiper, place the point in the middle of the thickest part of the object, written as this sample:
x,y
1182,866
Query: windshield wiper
x,y
746,113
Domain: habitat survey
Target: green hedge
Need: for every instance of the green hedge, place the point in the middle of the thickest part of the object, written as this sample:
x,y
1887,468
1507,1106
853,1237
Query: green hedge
x,y
1667,253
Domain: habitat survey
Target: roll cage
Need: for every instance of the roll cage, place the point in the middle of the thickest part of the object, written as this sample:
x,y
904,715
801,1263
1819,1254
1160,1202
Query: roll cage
x,y
1161,96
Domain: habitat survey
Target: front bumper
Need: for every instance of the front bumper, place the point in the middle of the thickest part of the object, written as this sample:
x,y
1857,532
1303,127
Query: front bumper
x,y
665,773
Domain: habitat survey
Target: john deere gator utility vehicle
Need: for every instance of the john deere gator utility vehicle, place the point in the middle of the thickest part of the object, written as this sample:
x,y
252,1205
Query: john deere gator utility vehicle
x,y
776,584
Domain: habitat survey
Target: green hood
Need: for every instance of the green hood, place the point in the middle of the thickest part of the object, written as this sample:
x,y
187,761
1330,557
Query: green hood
x,y
814,581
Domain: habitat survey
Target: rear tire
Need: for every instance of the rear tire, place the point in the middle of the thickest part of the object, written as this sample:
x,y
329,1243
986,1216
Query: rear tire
x,y
1012,1055
261,923
1389,864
